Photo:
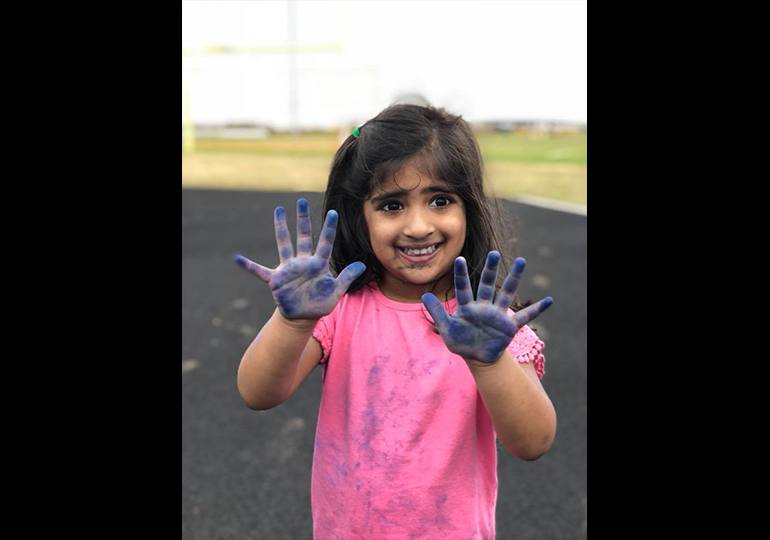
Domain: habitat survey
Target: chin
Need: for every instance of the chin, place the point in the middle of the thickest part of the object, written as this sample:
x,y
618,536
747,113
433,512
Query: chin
x,y
418,278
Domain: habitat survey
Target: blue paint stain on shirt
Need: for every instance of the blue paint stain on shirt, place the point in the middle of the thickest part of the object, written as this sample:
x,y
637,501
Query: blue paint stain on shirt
x,y
371,425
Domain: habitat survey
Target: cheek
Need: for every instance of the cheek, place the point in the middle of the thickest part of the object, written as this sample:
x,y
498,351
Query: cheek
x,y
380,236
462,230
458,229
370,226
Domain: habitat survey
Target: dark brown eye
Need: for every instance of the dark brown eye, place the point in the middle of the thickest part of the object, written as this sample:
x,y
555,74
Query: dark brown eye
x,y
441,201
390,206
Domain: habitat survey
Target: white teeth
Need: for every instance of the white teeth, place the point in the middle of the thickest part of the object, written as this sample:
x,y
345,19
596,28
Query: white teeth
x,y
423,251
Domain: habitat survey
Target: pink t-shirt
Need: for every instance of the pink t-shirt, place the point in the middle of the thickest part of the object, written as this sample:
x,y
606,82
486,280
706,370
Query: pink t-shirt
x,y
404,446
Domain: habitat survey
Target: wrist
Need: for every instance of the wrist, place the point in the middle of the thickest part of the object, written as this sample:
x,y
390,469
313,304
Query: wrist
x,y
480,366
302,325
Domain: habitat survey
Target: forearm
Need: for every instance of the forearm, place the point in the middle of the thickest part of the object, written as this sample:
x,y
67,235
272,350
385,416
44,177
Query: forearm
x,y
522,413
269,365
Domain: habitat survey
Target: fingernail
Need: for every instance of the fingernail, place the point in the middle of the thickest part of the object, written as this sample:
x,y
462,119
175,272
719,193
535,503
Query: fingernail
x,y
358,267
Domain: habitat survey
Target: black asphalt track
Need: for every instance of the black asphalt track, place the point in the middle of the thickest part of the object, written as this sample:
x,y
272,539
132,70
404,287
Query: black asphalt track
x,y
246,474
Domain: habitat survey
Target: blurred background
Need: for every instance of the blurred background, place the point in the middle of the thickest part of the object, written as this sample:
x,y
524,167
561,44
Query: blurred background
x,y
269,90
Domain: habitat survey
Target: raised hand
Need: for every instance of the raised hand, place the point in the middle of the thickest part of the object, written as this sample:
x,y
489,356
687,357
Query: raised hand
x,y
482,329
303,287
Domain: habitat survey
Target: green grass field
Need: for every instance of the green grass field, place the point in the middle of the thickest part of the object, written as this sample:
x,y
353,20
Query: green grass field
x,y
552,166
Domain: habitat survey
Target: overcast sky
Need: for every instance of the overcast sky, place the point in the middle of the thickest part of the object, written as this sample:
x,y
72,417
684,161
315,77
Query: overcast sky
x,y
504,59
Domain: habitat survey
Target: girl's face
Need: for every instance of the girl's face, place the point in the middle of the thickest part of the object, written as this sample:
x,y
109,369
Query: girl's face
x,y
416,230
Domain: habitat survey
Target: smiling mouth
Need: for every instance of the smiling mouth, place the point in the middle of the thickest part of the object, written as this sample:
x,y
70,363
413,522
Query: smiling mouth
x,y
419,254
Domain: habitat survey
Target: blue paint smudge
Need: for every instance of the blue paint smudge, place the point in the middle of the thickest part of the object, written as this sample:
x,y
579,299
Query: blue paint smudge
x,y
288,302
370,427
323,289
461,334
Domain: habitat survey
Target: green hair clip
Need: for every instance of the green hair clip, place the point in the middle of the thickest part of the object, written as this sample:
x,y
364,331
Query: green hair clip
x,y
356,132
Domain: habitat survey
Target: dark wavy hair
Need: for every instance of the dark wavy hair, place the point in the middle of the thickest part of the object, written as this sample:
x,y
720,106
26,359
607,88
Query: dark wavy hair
x,y
444,147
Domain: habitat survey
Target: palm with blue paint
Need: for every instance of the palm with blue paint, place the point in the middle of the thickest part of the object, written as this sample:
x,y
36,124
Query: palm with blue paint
x,y
302,285
481,329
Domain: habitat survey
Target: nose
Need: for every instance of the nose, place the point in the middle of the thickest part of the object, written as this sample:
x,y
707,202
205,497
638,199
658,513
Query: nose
x,y
418,224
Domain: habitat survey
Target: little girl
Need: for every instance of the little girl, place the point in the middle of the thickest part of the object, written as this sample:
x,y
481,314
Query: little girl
x,y
415,391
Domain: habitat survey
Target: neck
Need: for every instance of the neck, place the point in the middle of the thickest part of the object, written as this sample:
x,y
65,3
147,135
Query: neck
x,y
403,291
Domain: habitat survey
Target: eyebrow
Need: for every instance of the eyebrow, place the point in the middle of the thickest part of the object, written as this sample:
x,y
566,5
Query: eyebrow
x,y
401,192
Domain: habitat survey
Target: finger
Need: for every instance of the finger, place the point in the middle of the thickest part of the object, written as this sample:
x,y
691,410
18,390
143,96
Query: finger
x,y
511,283
304,235
488,277
262,272
285,249
349,275
326,241
531,312
462,282
436,311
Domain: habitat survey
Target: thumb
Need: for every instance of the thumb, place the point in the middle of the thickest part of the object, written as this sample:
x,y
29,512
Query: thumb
x,y
349,275
262,272
436,310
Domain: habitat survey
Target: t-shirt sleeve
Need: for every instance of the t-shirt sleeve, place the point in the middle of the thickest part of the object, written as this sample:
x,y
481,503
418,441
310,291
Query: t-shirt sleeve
x,y
527,347
324,334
